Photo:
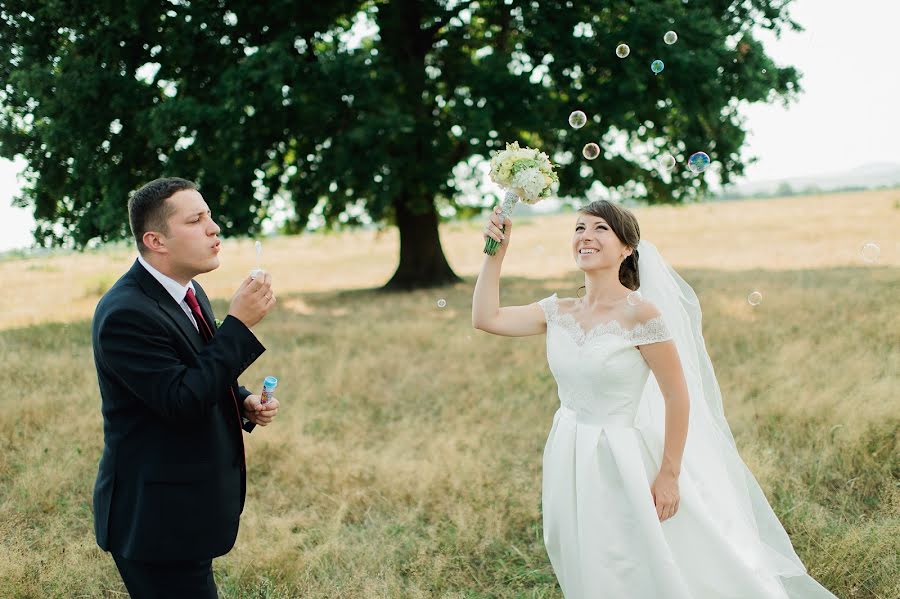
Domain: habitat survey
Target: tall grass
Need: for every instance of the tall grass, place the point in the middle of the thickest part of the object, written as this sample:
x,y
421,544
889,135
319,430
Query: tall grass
x,y
406,460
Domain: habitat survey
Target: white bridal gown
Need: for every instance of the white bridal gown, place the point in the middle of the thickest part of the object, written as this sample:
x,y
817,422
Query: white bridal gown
x,y
601,530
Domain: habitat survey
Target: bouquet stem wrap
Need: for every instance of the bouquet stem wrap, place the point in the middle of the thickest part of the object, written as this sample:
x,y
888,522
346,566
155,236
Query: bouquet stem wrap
x,y
506,207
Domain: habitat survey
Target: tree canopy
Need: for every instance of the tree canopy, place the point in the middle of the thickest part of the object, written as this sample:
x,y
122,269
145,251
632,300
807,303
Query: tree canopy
x,y
344,110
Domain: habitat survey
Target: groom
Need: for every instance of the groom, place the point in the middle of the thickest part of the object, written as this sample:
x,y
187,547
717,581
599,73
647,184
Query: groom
x,y
172,479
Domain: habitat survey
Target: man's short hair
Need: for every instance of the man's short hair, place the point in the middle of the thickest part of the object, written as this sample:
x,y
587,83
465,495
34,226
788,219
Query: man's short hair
x,y
148,210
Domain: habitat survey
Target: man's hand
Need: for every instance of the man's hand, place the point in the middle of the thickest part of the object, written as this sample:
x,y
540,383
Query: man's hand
x,y
260,414
253,299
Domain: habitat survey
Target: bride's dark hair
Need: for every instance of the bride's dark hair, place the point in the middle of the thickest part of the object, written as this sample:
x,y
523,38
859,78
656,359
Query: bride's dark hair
x,y
625,226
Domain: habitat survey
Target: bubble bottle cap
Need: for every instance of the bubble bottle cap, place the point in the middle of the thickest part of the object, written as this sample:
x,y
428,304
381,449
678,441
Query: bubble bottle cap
x,y
270,382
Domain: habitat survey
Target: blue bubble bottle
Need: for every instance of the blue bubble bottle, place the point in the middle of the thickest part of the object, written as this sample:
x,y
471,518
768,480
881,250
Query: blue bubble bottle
x,y
268,391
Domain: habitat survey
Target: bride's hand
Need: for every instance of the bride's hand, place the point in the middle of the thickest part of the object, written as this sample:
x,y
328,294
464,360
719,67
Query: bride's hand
x,y
665,495
492,228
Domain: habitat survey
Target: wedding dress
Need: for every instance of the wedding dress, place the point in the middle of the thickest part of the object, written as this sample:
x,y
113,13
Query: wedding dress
x,y
601,529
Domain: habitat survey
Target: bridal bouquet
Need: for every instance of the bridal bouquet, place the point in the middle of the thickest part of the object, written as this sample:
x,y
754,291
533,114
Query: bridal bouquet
x,y
526,174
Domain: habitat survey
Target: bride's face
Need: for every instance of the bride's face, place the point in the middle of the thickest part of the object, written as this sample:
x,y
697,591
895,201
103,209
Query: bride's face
x,y
595,246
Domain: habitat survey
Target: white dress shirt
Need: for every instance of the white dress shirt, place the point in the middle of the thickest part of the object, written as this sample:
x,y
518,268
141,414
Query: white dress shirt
x,y
175,289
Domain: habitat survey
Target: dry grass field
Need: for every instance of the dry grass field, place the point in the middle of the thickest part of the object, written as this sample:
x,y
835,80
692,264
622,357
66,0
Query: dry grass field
x,y
406,460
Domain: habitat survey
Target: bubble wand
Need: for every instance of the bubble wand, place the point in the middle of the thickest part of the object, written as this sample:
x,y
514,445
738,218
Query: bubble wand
x,y
256,271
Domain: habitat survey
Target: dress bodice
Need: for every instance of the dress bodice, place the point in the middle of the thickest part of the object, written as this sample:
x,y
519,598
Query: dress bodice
x,y
600,373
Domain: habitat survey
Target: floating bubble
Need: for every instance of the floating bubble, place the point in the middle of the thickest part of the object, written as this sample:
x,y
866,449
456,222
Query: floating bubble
x,y
755,298
577,119
670,37
657,66
870,252
622,50
667,161
442,303
634,298
590,151
698,162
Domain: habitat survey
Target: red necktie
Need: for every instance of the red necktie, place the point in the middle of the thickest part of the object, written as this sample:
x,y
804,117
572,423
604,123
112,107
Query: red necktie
x,y
191,300
207,333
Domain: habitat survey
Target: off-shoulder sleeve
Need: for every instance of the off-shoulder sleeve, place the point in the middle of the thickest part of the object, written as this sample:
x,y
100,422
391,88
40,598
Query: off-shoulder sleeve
x,y
652,331
550,307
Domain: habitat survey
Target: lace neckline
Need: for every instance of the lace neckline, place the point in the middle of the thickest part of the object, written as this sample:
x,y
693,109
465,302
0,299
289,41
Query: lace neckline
x,y
641,331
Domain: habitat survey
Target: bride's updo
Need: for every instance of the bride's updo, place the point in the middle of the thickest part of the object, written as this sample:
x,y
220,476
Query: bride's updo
x,y
625,226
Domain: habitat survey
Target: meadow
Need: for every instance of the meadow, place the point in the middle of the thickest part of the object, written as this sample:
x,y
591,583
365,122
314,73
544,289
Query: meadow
x,y
406,459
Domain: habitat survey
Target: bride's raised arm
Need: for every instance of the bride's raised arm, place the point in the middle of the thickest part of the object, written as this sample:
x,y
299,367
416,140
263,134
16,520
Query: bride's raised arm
x,y
487,315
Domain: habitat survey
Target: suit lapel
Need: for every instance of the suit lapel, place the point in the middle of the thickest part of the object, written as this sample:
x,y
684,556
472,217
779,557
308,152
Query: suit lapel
x,y
167,305
206,310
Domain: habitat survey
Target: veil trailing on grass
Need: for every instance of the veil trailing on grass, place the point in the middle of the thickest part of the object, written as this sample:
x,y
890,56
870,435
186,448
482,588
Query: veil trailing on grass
x,y
711,465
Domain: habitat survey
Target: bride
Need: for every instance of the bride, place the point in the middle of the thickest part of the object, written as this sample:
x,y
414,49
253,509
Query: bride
x,y
644,493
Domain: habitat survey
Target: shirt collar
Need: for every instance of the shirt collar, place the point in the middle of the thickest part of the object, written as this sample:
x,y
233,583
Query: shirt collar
x,y
173,287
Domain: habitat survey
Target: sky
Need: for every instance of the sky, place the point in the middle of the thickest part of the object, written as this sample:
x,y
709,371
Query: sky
x,y
846,116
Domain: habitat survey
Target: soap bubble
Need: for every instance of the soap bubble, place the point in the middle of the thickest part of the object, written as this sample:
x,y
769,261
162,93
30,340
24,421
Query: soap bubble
x,y
698,162
622,50
670,37
577,119
442,303
667,161
755,298
657,66
634,298
590,151
870,252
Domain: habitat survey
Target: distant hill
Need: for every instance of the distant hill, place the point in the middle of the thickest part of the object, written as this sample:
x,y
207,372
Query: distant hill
x,y
871,175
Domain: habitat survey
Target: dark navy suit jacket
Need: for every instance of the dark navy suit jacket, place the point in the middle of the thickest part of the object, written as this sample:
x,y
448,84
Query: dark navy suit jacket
x,y
171,481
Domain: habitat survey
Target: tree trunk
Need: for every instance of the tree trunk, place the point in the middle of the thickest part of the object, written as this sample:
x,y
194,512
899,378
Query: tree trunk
x,y
422,260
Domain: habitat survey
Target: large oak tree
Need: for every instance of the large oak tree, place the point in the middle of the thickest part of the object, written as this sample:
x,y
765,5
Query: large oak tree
x,y
347,108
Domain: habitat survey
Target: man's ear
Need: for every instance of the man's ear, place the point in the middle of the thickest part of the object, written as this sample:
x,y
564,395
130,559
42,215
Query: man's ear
x,y
154,242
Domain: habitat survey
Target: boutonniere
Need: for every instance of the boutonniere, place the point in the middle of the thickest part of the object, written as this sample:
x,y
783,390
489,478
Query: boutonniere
x,y
218,323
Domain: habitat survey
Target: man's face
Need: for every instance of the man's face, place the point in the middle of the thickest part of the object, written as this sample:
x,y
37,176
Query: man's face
x,y
192,243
